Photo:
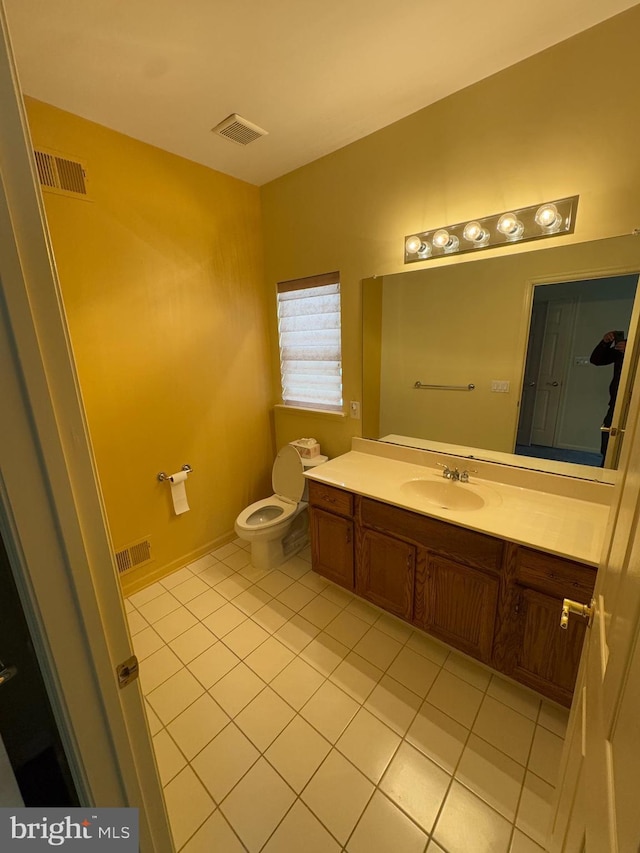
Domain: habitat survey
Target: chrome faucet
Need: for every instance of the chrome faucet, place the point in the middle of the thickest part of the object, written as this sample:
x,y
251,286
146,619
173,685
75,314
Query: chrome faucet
x,y
449,473
455,474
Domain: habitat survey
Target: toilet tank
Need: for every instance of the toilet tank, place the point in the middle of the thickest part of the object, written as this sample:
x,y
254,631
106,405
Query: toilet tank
x,y
311,463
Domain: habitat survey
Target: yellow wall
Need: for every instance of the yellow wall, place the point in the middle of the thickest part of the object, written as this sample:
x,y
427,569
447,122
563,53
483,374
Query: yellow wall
x,y
162,279
563,122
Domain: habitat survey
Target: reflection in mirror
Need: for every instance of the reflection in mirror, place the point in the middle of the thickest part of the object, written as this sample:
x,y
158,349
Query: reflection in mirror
x,y
563,400
468,324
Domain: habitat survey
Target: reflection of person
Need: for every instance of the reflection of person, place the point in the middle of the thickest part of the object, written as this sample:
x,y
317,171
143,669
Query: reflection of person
x,y
610,350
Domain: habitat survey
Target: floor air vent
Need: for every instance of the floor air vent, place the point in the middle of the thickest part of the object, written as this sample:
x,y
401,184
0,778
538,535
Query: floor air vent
x,y
133,556
61,175
239,130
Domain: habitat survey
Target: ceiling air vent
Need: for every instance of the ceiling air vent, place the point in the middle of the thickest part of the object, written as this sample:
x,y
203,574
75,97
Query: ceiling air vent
x,y
133,556
61,175
239,130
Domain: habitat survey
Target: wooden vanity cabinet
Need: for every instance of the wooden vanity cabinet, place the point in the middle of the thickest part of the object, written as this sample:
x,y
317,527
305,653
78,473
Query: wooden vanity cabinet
x,y
441,577
542,655
332,533
494,600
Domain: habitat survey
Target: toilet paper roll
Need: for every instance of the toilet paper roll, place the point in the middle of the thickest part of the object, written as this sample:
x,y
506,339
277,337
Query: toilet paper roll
x,y
178,492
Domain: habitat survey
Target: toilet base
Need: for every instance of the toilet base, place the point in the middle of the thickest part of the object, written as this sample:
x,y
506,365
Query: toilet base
x,y
272,553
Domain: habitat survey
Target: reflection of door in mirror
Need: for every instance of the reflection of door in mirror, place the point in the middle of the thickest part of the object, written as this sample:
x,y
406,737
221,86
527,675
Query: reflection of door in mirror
x,y
531,370
625,390
564,398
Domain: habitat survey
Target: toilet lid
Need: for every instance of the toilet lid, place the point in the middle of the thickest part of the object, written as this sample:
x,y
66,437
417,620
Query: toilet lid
x,y
287,478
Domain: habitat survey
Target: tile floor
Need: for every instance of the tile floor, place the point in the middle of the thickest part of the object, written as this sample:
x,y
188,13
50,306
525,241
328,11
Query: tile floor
x,y
288,715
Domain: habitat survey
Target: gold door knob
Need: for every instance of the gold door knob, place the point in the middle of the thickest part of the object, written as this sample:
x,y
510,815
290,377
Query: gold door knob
x,y
569,606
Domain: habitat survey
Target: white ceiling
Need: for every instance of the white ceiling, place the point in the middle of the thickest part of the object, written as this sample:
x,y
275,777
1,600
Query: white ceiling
x,y
317,74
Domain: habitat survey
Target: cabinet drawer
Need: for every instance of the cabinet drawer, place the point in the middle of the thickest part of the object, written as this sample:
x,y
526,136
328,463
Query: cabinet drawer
x,y
464,545
330,498
555,575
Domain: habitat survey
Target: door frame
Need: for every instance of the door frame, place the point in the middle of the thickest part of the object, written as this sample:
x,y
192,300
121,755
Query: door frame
x,y
52,516
582,273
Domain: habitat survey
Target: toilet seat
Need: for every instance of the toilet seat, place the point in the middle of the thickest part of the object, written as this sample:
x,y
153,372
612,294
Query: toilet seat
x,y
287,509
287,475
287,478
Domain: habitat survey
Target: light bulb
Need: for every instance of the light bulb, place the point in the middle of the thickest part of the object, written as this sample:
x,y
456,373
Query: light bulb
x,y
414,245
548,218
475,233
443,240
510,226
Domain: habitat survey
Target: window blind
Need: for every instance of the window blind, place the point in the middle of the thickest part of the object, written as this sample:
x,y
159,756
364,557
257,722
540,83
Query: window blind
x,y
310,347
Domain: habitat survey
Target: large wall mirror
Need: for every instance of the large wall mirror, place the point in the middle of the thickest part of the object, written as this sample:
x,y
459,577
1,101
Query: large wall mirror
x,y
521,330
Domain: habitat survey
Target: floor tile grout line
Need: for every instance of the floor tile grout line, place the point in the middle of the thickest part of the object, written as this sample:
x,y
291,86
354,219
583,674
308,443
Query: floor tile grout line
x,y
333,746
326,677
455,770
403,739
298,654
524,779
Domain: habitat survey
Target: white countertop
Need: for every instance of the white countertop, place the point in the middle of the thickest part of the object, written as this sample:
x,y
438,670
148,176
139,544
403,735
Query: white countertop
x,y
556,523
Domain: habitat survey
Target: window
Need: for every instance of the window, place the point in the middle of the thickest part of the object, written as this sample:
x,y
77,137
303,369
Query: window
x,y
309,333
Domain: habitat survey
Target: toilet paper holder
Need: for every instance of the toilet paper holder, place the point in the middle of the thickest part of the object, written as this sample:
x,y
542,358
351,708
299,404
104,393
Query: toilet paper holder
x,y
162,476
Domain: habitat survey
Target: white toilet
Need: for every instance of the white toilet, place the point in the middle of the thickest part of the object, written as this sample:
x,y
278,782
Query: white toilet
x,y
278,527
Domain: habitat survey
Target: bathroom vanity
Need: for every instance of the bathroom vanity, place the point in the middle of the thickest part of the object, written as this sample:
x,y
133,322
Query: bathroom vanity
x,y
482,565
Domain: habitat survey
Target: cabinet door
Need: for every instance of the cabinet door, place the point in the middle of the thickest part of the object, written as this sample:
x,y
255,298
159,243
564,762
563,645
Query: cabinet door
x,y
545,657
332,546
386,572
460,606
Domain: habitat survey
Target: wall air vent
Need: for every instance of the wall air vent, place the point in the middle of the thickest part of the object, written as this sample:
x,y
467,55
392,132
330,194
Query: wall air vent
x,y
61,175
239,130
133,556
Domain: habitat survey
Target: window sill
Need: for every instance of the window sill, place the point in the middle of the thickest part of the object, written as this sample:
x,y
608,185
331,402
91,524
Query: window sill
x,y
300,410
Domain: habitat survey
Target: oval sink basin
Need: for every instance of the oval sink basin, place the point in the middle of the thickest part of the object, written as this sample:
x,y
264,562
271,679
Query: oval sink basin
x,y
449,494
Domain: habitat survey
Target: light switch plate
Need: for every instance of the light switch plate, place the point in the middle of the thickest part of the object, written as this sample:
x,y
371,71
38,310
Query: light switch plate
x,y
500,385
354,410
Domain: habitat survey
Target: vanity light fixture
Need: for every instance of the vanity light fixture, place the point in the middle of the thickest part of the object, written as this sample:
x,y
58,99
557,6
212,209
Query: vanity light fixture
x,y
550,219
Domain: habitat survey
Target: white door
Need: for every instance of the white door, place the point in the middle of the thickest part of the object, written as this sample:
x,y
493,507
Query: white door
x,y
598,808
51,513
531,372
553,361
625,390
